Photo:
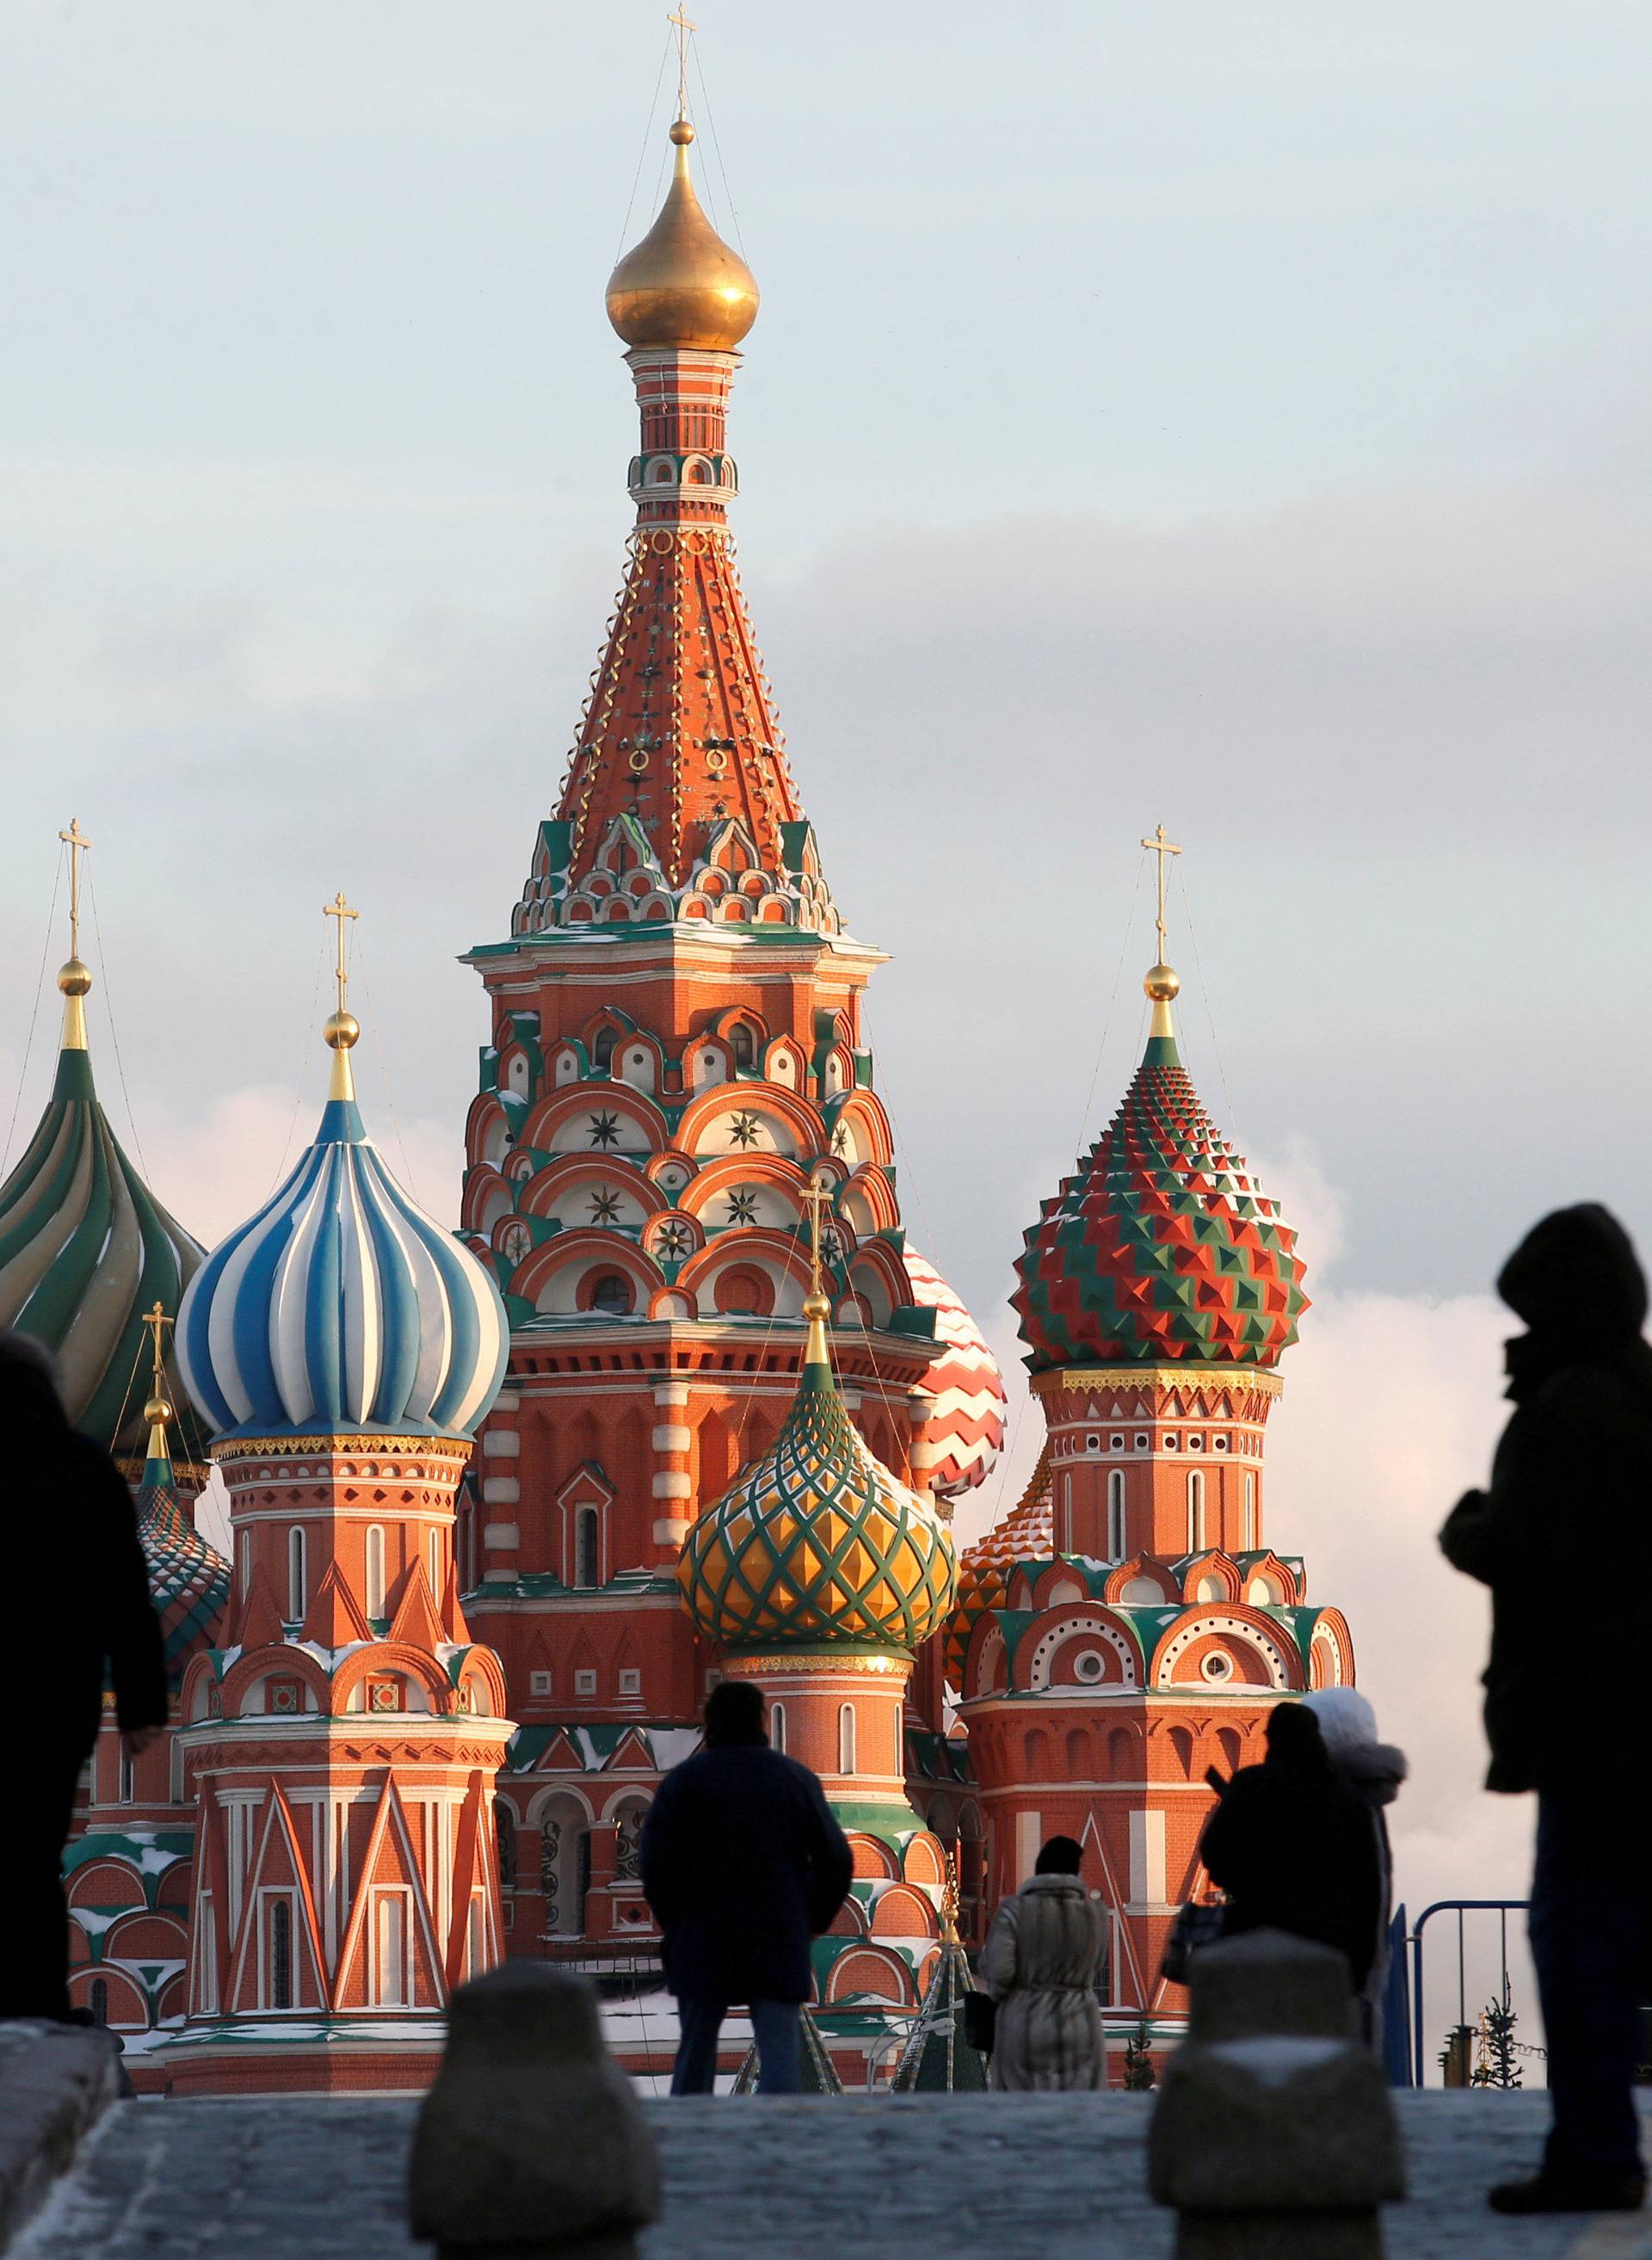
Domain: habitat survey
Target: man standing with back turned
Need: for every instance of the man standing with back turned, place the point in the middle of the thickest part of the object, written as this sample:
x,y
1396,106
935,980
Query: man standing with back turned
x,y
1572,1483
743,1865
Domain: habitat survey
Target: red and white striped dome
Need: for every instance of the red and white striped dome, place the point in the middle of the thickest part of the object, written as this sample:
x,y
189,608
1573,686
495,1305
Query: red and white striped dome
x,y
967,1425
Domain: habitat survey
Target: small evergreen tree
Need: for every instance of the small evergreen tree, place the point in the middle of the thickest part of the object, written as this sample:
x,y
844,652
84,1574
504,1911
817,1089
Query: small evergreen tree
x,y
1138,2061
1498,2065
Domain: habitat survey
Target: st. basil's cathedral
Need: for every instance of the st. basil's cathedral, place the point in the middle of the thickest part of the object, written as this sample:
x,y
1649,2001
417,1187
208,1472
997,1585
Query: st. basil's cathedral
x,y
680,1400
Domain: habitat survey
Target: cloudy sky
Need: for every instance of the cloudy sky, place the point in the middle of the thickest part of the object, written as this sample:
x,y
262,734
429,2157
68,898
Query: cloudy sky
x,y
1237,417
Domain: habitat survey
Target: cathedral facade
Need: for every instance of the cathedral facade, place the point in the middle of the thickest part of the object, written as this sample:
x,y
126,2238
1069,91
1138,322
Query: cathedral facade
x,y
681,1400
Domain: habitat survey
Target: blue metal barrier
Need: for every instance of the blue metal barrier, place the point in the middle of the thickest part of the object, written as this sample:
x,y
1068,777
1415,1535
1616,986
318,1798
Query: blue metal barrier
x,y
1459,1907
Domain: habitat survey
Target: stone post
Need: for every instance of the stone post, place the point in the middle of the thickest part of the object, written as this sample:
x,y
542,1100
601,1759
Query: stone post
x,y
1274,2136
531,2144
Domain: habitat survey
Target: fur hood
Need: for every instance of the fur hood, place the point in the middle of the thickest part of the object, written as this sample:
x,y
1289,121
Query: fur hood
x,y
1348,1726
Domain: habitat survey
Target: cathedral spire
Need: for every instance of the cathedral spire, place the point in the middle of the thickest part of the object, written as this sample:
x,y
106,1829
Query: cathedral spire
x,y
678,774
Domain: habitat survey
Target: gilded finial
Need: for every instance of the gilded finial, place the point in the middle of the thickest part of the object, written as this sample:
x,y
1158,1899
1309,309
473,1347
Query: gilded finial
x,y
949,1901
159,1409
1163,983
682,286
817,1306
74,978
342,1027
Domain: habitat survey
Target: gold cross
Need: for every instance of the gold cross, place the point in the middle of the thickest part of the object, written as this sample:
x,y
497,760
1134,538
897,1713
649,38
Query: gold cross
x,y
818,1201
1161,847
680,17
157,1321
78,843
338,908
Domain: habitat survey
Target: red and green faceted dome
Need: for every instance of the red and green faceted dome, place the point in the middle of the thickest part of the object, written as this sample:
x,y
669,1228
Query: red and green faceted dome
x,y
1161,1247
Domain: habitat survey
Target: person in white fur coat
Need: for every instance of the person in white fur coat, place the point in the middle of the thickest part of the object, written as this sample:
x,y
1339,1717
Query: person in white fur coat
x,y
1347,1728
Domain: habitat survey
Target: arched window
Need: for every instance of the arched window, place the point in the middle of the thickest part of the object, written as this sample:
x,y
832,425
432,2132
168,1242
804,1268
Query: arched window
x,y
587,1547
281,1954
1195,1514
1250,1514
100,2001
1115,1515
846,1738
504,1836
602,1052
126,1777
296,1602
611,1295
777,1728
376,1572
244,1547
744,1048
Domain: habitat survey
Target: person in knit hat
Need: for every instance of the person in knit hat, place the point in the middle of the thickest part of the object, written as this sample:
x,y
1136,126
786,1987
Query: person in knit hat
x,y
1563,1537
1347,1728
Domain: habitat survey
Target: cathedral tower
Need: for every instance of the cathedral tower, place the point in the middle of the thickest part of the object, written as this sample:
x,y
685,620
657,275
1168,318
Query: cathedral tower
x,y
1129,1625
341,1747
676,1054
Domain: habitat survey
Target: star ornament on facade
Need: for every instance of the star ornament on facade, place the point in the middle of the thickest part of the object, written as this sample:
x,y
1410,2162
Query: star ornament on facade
x,y
840,1139
604,1129
742,1207
744,1130
673,1242
605,1208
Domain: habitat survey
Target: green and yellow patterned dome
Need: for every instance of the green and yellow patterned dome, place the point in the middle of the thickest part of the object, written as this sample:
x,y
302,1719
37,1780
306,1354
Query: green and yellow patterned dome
x,y
818,1545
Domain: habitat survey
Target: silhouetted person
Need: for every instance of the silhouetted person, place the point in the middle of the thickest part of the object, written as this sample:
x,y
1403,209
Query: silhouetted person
x,y
743,1865
1347,1728
1041,1963
1292,1844
81,1616
1563,1537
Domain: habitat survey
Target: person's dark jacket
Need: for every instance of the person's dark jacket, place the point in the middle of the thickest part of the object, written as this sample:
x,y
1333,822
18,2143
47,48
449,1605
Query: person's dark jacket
x,y
72,1531
1573,1470
1292,1844
743,1865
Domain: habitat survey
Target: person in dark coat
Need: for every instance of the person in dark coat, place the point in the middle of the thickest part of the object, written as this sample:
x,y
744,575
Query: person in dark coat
x,y
743,1866
83,1617
1563,1537
1292,1844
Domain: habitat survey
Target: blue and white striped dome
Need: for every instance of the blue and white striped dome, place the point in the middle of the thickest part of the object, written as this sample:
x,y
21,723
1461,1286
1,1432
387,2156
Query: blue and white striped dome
x,y
341,1307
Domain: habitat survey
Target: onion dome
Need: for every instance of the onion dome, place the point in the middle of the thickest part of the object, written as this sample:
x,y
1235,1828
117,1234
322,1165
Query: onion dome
x,y
189,1579
1026,1534
966,1427
342,1306
818,1545
1161,1247
85,1247
682,285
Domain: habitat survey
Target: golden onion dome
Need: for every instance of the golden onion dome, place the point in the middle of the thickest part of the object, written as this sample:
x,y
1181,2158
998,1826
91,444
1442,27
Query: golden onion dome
x,y
818,1545
682,285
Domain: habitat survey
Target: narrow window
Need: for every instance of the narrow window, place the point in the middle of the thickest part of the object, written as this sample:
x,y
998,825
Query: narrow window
x,y
778,1726
392,1974
245,1549
745,1050
100,2001
585,1546
846,1738
1115,1515
281,1955
125,1777
174,1769
295,1601
505,1832
601,1055
1195,1514
473,1937
435,1550
376,1572
1250,1514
